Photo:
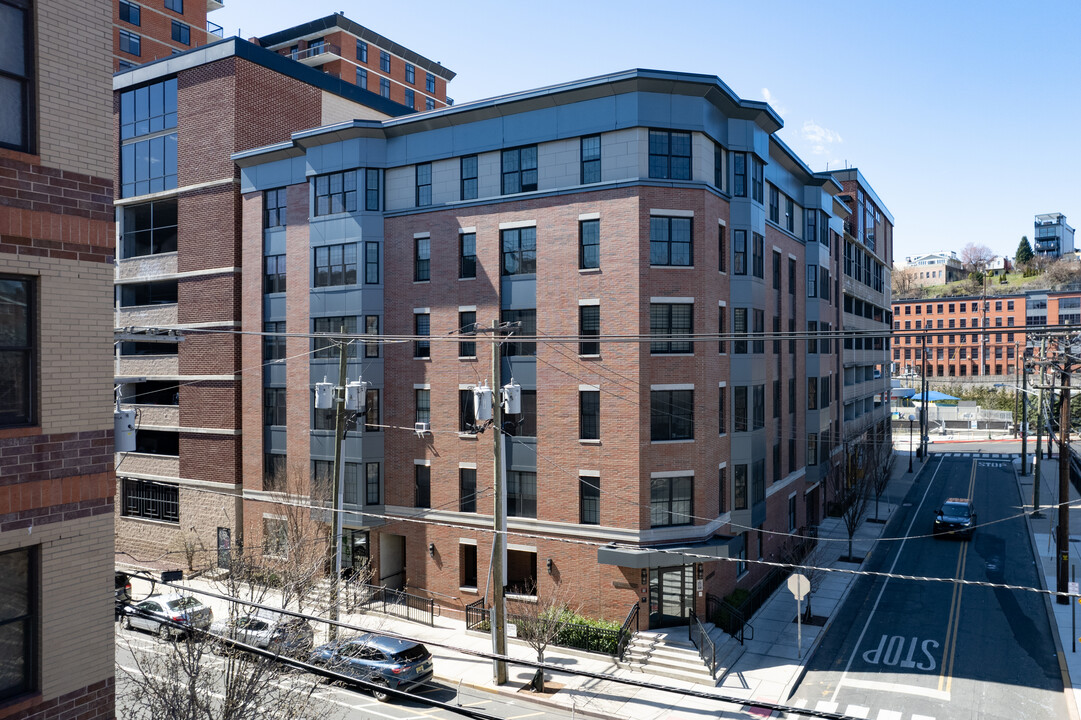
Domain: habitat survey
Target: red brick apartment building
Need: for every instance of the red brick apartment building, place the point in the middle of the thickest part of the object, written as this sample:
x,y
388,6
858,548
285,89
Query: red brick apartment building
x,y
56,271
974,337
146,30
178,273
643,473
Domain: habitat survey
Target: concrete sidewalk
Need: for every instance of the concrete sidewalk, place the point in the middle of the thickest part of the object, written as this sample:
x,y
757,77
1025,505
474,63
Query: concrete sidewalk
x,y
1043,531
765,669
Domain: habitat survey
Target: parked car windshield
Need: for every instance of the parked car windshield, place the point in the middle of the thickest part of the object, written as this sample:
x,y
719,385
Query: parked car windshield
x,y
955,509
183,603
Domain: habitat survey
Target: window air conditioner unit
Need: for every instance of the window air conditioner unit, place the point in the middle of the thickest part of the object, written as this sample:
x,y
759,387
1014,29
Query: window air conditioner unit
x,y
422,428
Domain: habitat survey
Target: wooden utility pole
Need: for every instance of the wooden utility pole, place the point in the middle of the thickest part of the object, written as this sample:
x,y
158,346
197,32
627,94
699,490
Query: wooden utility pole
x,y
336,500
1039,435
1062,537
498,620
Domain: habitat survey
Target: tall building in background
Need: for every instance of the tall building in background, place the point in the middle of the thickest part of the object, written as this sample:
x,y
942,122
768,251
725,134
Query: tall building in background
x,y
639,204
344,49
1053,237
146,30
179,271
56,419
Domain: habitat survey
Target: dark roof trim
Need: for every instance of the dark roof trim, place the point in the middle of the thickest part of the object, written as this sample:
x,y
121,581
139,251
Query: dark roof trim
x,y
855,174
235,47
340,21
718,547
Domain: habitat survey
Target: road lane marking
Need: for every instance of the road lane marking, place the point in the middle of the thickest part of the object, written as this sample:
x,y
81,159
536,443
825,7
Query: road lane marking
x,y
889,715
857,711
953,625
901,688
915,516
922,717
826,706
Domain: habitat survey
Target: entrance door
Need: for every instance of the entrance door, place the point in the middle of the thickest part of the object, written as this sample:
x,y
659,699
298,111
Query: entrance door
x,y
671,596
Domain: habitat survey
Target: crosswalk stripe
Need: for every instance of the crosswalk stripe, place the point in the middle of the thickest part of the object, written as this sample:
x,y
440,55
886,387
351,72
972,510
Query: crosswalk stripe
x,y
889,715
922,717
858,711
826,706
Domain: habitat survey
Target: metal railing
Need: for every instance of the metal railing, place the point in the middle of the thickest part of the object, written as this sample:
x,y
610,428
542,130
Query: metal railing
x,y
393,602
475,615
215,29
728,618
313,51
706,648
625,632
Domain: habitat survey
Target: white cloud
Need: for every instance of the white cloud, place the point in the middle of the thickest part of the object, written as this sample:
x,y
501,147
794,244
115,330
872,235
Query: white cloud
x,y
821,139
773,101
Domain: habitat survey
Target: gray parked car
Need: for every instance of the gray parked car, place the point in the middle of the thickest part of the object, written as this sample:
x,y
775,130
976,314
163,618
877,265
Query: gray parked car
x,y
393,663
151,614
282,634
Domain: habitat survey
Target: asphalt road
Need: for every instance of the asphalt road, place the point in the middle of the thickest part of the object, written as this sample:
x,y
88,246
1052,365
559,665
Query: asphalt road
x,y
902,649
334,701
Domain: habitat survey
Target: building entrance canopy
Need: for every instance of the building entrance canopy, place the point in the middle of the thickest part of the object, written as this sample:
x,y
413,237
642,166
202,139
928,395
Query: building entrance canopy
x,y
655,556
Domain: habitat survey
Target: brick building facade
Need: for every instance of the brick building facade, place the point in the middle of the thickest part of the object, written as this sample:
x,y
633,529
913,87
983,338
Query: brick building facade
x,y
636,468
147,30
56,251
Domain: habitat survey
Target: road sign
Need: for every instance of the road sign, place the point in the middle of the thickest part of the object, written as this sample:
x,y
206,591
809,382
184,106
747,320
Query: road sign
x,y
1074,589
799,585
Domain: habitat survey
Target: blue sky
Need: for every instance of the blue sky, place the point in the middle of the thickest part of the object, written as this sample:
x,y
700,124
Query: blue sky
x,y
960,114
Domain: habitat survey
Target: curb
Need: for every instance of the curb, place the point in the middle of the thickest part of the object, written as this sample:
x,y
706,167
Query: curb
x,y
1060,652
527,697
791,685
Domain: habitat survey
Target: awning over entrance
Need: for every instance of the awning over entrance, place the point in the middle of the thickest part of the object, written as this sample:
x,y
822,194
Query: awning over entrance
x,y
655,556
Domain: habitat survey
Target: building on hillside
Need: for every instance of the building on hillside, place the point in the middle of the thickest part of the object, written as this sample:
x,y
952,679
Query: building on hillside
x,y
56,404
637,204
179,275
147,30
975,337
999,265
1053,237
342,48
936,268
865,275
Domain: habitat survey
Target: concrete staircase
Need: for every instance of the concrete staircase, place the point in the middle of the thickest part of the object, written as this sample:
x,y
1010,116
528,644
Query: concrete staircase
x,y
671,654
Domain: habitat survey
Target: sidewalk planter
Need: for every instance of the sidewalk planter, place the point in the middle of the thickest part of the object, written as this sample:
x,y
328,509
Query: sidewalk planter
x,y
597,636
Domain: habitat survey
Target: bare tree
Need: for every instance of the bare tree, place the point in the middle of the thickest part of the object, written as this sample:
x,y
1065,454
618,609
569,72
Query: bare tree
x,y
879,467
903,282
1062,272
540,623
849,491
976,257
812,570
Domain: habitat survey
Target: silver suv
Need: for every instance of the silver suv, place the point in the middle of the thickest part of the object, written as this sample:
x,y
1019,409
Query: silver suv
x,y
278,633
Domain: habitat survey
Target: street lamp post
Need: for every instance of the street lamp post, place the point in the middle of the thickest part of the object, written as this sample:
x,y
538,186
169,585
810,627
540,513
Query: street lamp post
x,y
911,419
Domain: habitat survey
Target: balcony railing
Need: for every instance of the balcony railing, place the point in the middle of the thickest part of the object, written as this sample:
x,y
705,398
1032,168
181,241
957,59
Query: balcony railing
x,y
214,29
313,51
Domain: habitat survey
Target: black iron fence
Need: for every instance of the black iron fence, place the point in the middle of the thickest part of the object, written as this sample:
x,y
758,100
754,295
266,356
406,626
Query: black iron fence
x,y
728,618
476,615
392,602
706,648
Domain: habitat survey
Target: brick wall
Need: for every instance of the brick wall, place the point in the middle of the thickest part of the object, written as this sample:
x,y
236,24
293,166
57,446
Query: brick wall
x,y
155,28
58,457
86,703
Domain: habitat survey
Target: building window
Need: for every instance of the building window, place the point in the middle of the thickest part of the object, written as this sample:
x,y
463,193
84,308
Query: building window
x,y
467,491
362,51
424,184
384,61
429,103
670,241
739,408
589,415
758,417
273,341
148,293
149,229
469,177
527,320
422,259
373,484
274,406
521,494
589,500
148,166
739,331
176,6
519,170
722,344
519,249
410,98
812,393
422,329
670,501
591,159
18,619
789,214
334,265
384,87
129,12
669,320
371,327
589,244
410,73
423,400
776,270
718,167
757,175
467,555
722,411
371,190
181,33
758,255
467,419
371,263
151,500
774,204
739,488
131,43
362,78
669,155
336,193
739,174
812,281
325,348
274,202
739,252
467,326
589,326
467,255
671,415
429,83
722,264
371,411
422,486
812,449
